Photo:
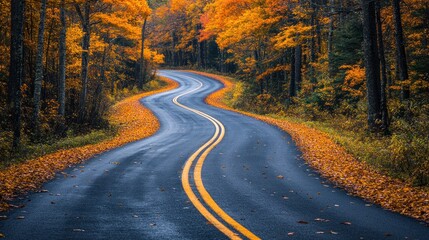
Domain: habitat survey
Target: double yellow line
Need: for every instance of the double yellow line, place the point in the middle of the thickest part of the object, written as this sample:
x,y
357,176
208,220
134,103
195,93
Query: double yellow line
x,y
202,152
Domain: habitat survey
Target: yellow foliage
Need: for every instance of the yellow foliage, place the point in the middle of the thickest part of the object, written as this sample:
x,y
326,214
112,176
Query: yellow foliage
x,y
270,71
292,36
354,80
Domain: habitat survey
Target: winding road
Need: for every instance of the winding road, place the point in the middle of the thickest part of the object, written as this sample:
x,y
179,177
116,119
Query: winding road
x,y
207,173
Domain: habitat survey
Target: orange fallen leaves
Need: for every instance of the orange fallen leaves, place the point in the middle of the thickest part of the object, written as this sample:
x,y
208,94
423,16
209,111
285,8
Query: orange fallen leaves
x,y
334,163
135,122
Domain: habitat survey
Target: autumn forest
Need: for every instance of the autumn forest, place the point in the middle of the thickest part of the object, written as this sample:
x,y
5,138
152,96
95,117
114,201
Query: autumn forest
x,y
357,68
197,119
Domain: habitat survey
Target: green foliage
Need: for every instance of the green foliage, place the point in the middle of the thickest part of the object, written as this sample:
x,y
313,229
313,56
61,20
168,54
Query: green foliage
x,y
347,43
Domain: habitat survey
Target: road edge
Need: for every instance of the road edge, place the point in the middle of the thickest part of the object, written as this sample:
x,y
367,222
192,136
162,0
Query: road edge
x,y
334,163
29,176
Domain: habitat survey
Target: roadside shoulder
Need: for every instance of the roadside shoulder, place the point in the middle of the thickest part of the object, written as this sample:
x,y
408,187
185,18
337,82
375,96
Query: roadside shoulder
x,y
126,114
334,163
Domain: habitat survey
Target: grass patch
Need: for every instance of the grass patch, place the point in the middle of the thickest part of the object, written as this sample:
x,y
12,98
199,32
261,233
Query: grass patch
x,y
31,151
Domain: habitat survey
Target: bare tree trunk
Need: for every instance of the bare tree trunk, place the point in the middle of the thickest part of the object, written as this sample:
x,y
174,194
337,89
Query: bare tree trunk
x,y
330,35
16,67
142,74
372,65
384,110
62,62
401,57
314,24
98,97
292,85
39,69
85,17
298,66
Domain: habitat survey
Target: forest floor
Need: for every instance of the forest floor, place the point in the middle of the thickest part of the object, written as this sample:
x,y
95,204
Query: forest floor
x,y
335,163
125,116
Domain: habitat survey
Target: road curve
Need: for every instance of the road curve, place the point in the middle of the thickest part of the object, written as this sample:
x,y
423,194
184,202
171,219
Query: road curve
x,y
253,174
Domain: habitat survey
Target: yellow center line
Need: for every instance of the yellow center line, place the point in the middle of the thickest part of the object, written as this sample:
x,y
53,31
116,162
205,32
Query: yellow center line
x,y
208,146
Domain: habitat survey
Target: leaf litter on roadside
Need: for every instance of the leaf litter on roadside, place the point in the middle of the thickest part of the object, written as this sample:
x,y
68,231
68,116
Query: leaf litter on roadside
x,y
334,163
135,122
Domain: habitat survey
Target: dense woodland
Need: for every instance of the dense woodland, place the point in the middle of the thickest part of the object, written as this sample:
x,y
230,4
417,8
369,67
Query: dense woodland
x,y
361,65
63,63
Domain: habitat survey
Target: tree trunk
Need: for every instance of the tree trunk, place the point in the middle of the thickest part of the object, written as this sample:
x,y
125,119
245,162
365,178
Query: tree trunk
x,y
313,23
48,47
16,67
384,110
400,50
372,65
330,36
39,70
292,85
298,66
85,17
62,62
98,97
142,74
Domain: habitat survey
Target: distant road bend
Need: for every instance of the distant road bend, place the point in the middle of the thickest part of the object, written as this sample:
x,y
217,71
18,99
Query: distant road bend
x,y
207,173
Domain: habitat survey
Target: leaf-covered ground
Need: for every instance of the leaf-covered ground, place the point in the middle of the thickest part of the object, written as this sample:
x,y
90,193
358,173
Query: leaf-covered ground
x,y
334,163
135,122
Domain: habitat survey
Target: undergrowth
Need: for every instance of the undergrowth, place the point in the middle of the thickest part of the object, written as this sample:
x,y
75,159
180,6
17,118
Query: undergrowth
x,y
73,137
403,153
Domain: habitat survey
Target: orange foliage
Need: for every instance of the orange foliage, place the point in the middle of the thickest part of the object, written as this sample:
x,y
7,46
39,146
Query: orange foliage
x,y
135,122
334,163
354,81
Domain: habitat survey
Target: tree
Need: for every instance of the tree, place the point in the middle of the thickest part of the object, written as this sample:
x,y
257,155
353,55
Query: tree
x,y
400,50
142,76
292,84
39,69
383,100
16,67
86,28
298,66
372,64
62,62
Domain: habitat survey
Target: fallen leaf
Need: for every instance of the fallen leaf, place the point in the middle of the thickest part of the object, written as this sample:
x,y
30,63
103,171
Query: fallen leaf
x,y
78,230
302,222
321,220
20,217
346,223
291,233
280,177
3,217
16,206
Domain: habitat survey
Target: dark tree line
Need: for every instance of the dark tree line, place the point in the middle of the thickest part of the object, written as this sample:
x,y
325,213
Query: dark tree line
x,y
67,62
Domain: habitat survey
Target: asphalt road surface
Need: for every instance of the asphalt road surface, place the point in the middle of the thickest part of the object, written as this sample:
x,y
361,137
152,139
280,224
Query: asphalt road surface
x,y
206,174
